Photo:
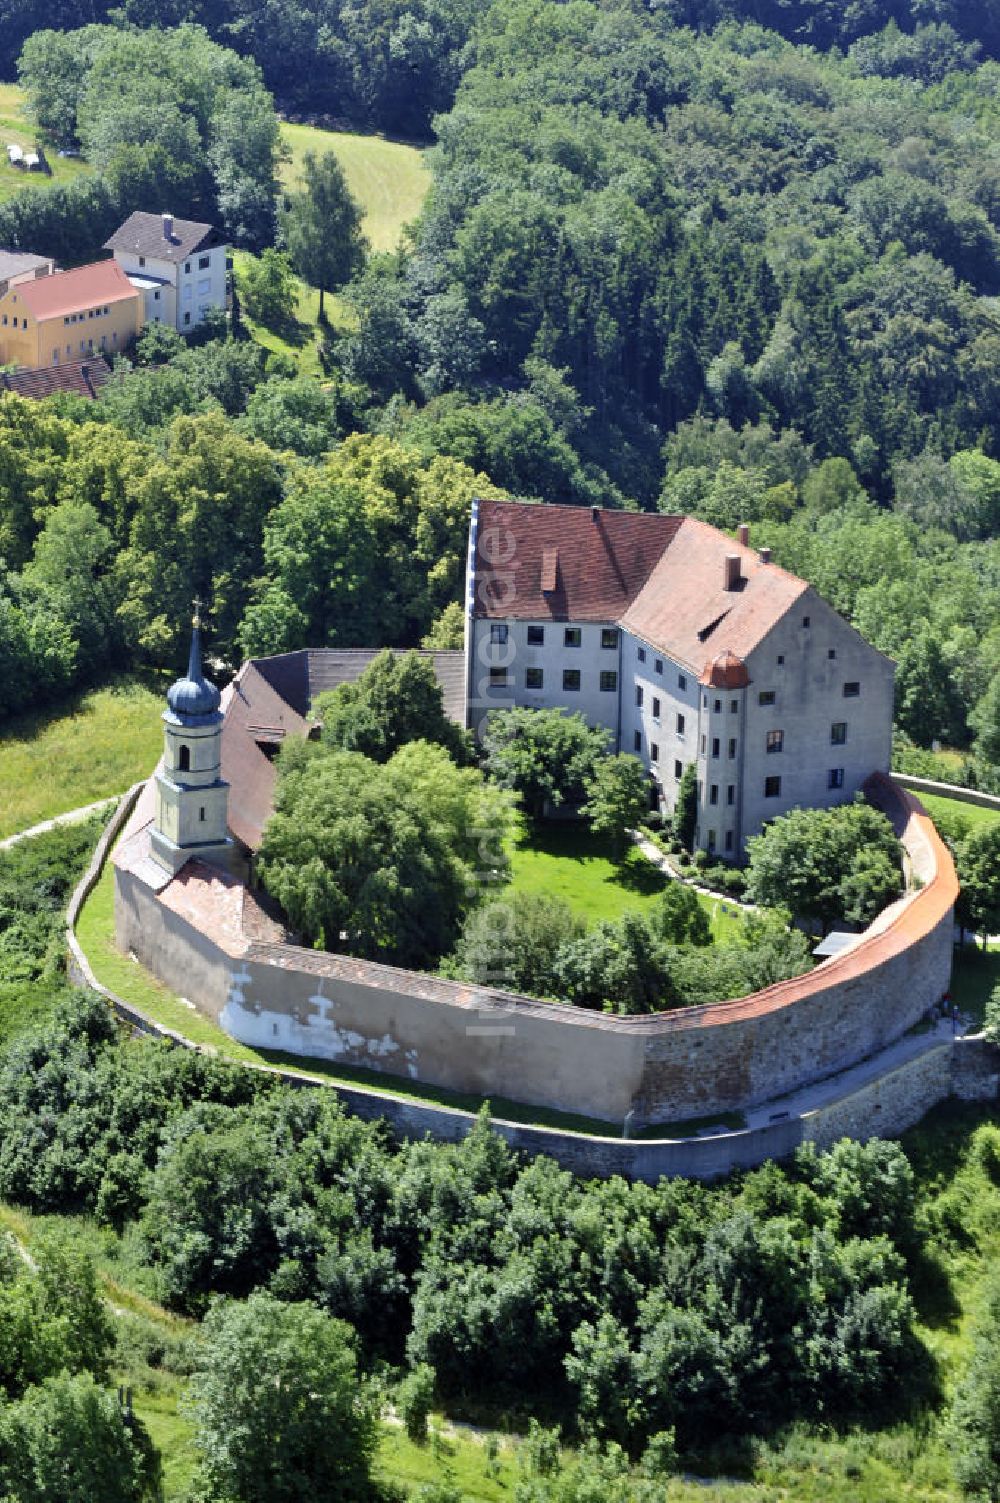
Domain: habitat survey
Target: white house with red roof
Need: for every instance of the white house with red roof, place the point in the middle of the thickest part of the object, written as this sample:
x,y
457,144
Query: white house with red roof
x,y
689,646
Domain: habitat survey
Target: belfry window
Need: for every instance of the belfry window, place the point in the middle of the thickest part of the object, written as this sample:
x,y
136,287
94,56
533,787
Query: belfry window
x,y
184,759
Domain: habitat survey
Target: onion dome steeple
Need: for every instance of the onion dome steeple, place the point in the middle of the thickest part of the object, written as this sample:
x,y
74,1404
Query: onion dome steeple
x,y
193,700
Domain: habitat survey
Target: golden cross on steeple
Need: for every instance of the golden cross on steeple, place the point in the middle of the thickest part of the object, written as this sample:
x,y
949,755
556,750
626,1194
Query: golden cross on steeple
x,y
197,603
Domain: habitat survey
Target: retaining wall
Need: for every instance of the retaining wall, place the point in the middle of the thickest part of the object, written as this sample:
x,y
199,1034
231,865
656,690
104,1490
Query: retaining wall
x,y
947,790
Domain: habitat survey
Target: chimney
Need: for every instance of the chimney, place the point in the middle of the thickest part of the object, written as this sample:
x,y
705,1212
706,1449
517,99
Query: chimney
x,y
743,535
595,513
168,226
765,555
732,576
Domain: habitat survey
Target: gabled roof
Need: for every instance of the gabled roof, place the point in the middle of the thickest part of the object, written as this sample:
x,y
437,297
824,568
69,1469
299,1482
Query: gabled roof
x,y
143,235
82,377
16,263
73,291
563,563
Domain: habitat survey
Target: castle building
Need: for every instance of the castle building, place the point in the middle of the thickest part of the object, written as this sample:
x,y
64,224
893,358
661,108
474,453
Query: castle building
x,y
688,646
191,795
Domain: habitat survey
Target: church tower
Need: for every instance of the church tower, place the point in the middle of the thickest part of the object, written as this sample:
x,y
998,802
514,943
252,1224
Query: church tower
x,y
191,796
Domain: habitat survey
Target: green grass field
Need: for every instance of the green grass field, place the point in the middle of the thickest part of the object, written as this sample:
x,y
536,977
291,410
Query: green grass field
x,y
389,180
92,748
16,128
950,809
566,861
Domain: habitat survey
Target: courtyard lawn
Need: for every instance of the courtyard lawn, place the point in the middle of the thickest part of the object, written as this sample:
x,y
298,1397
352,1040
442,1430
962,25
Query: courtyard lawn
x,y
92,747
16,128
388,179
564,860
976,817
976,972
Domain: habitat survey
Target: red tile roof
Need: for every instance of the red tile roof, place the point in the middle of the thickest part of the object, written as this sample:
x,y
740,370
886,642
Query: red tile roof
x,y
72,291
82,377
563,563
663,578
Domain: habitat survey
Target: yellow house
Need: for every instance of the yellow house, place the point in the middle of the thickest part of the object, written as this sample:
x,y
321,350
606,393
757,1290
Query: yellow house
x,y
69,315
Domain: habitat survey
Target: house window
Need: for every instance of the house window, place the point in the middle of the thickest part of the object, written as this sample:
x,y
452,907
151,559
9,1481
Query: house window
x,y
729,840
201,815
781,660
656,709
5,320
572,636
831,653
775,741
713,794
187,266
654,752
711,840
498,635
835,777
642,654
766,697
637,741
715,746
731,795
184,759
187,318
806,622
716,707
499,678
571,680
156,295
732,746
703,746
638,695
609,682
838,733
772,787
680,725
609,637
203,262
658,665
532,678
678,770
682,682
852,690
536,636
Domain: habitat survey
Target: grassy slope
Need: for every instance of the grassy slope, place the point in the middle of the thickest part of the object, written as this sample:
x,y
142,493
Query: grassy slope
x,y
389,180
953,808
93,747
566,861
15,127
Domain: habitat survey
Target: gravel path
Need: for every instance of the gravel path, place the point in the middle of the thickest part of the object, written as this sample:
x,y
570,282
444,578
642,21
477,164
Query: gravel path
x,y
71,817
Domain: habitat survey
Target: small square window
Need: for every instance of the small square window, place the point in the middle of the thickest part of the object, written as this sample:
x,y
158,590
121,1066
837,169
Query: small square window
x,y
637,741
680,725
654,752
729,840
806,622
498,635
765,697
571,680
609,682
532,678
642,654
609,637
732,746
572,636
831,653
678,770
658,665
656,708
716,707
536,636
203,262
731,795
713,794
499,678
682,682
772,787
852,690
775,741
835,777
838,733
638,695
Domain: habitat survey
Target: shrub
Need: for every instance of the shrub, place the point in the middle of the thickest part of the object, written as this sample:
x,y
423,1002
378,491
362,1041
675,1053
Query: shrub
x,y
415,1397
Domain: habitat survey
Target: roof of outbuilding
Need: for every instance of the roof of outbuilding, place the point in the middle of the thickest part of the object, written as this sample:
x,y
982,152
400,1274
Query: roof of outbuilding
x,y
15,263
143,235
73,291
82,377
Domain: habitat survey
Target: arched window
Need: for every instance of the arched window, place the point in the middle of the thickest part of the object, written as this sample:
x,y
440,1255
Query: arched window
x,y
184,759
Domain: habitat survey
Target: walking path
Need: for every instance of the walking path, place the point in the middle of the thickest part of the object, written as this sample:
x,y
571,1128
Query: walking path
x,y
71,817
665,864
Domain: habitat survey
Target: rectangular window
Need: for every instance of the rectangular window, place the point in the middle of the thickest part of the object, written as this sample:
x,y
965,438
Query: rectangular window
x,y
806,622
715,746
499,678
716,707
532,678
775,741
156,295
203,262
831,653
187,266
732,746
656,708
571,680
711,840
637,741
642,654
201,815
536,636
187,318
731,795
654,752
852,690
765,697
835,777
729,840
678,770
734,707
772,787
713,794
838,733
703,746
498,635
572,636
142,260
680,725
682,682
658,665
638,695
781,660
609,637
609,682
